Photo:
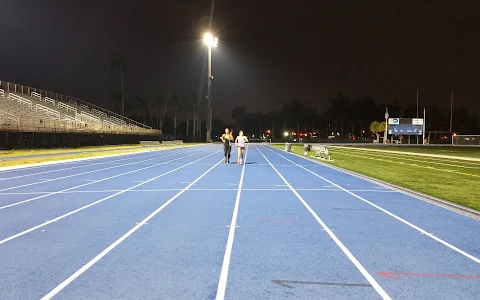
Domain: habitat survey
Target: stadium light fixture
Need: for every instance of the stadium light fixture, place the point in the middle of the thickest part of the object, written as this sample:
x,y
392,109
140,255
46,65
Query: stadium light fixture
x,y
210,40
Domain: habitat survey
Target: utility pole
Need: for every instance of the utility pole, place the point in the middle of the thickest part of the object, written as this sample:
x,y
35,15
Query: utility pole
x,y
385,135
417,110
451,112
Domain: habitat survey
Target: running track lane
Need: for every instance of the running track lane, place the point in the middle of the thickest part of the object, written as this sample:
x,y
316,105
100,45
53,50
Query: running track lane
x,y
385,244
29,214
176,255
277,239
52,253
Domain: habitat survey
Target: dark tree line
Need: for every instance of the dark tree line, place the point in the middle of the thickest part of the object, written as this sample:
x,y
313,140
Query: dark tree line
x,y
346,117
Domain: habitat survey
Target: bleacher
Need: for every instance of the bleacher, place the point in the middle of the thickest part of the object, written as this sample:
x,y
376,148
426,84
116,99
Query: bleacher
x,y
27,109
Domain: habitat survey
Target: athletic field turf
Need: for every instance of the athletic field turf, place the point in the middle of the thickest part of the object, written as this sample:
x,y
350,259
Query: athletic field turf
x,y
180,224
449,179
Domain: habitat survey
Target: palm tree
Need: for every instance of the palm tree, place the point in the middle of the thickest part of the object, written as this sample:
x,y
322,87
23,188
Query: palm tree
x,y
118,62
176,104
142,103
163,100
238,114
186,105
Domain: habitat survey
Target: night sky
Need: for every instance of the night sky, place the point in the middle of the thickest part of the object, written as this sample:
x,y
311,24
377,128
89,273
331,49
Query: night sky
x,y
268,50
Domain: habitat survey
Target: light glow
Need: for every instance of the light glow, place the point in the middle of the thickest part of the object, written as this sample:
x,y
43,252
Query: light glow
x,y
210,40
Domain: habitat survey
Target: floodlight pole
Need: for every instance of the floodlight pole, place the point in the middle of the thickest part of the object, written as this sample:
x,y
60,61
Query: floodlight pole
x,y
209,96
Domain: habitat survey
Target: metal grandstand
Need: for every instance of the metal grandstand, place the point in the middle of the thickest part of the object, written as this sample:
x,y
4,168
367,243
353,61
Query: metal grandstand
x,y
29,109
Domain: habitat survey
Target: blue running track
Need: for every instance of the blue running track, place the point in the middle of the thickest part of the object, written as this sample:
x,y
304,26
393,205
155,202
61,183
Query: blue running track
x,y
182,224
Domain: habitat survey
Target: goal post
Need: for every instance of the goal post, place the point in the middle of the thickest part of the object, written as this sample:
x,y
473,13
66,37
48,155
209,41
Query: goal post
x,y
466,140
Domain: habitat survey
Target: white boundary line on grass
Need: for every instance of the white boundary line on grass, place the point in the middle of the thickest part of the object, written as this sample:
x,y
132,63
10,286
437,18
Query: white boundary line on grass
x,y
337,241
222,282
98,201
92,182
453,207
463,158
475,259
80,271
67,161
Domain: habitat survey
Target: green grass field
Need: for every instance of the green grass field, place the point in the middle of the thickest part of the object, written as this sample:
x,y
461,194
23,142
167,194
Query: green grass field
x,y
449,179
439,150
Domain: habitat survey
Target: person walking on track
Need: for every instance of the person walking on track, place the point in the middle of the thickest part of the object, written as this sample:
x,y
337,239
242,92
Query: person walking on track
x,y
227,139
240,141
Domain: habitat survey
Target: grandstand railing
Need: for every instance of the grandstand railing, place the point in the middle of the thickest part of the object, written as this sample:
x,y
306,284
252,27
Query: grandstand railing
x,y
70,103
67,124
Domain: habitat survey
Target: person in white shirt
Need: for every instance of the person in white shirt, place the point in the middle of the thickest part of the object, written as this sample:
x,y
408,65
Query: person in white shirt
x,y
240,141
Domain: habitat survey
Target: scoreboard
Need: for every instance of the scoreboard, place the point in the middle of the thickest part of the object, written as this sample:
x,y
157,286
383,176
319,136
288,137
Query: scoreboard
x,y
406,126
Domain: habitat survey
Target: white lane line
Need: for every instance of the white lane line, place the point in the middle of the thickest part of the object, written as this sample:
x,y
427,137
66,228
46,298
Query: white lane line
x,y
89,183
98,201
194,189
222,282
337,241
90,180
475,259
78,174
76,167
80,271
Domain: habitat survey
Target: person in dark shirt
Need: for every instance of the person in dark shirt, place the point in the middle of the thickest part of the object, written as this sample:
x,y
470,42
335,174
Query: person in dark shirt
x,y
227,139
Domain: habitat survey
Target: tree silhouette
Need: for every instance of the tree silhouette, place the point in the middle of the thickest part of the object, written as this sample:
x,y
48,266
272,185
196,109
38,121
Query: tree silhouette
x,y
118,63
239,114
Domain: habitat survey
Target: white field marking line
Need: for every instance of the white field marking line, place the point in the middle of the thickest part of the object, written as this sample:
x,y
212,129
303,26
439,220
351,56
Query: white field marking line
x,y
89,183
83,173
398,157
450,170
96,202
475,259
77,160
337,241
462,158
76,167
80,271
222,282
